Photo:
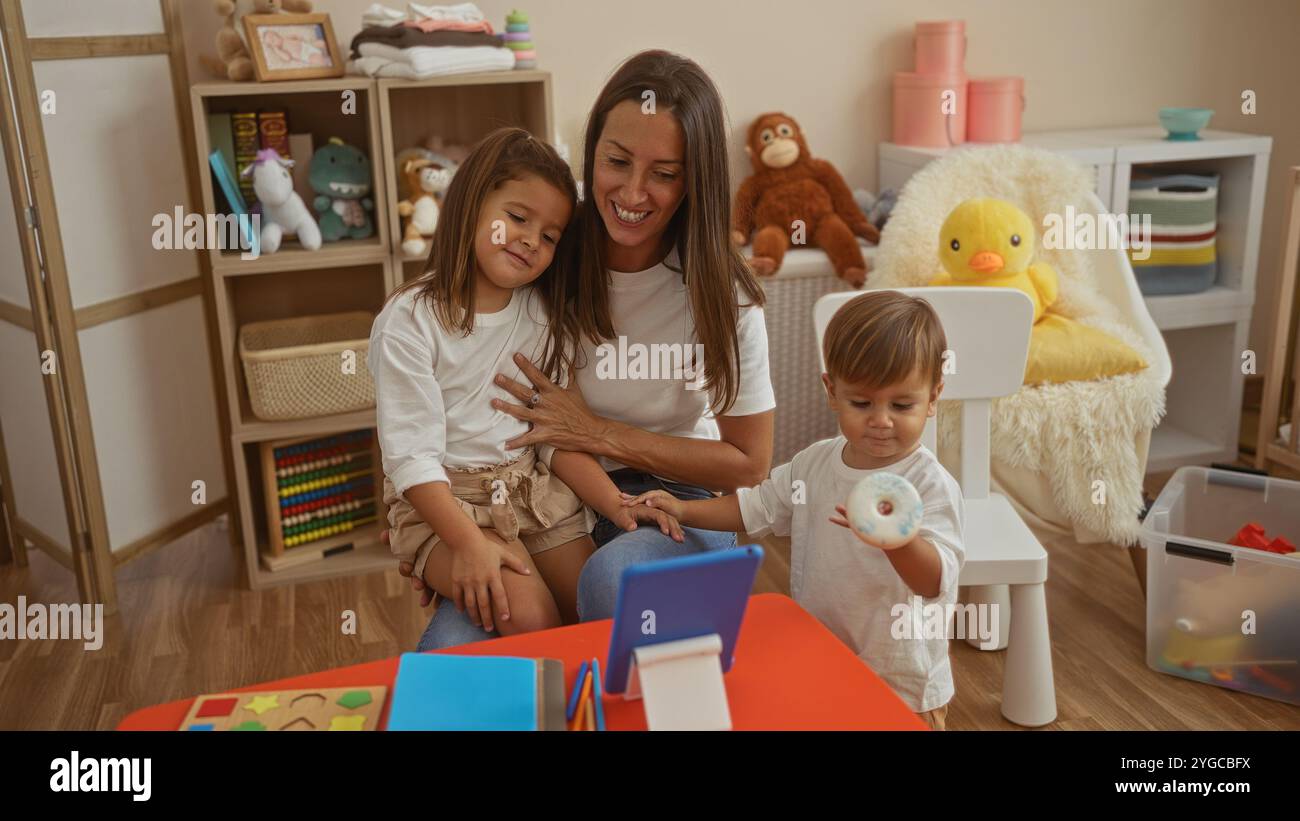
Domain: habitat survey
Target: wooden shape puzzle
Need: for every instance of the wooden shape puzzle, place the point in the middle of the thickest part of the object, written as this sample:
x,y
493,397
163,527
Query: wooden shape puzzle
x,y
330,708
217,707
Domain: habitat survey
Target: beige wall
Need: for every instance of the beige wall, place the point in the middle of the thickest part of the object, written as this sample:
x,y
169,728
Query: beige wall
x,y
829,63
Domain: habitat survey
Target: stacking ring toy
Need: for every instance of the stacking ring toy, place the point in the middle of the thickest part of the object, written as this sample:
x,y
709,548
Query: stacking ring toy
x,y
885,510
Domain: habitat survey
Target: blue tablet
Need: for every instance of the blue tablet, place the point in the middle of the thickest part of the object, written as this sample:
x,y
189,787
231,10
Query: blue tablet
x,y
680,599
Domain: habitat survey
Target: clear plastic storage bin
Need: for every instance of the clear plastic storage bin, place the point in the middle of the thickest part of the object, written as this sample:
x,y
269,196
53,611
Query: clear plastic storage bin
x,y
1216,613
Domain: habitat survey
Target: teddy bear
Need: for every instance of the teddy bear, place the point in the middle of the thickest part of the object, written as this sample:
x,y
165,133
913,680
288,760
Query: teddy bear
x,y
234,61
793,198
421,182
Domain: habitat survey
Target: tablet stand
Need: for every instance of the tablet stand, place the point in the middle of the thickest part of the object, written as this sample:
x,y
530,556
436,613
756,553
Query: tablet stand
x,y
681,682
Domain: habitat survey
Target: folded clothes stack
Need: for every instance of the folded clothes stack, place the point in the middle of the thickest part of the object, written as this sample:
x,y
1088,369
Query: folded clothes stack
x,y
426,41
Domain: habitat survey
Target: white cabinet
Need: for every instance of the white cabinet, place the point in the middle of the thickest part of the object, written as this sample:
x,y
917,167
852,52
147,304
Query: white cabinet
x,y
1206,332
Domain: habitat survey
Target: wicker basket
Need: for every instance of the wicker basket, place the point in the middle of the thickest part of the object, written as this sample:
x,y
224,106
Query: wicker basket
x,y
294,367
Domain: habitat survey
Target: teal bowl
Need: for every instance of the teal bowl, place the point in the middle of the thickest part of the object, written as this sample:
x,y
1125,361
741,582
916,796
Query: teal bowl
x,y
1183,123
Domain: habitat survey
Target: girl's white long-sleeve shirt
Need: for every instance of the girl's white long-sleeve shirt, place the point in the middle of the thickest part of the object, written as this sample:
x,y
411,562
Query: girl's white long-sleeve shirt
x,y
434,388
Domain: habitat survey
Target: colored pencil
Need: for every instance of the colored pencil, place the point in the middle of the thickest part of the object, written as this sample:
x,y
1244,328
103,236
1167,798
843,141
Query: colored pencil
x,y
591,721
573,699
599,693
586,689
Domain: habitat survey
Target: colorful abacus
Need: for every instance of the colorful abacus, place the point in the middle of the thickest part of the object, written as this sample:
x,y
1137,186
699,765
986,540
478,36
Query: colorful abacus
x,y
319,488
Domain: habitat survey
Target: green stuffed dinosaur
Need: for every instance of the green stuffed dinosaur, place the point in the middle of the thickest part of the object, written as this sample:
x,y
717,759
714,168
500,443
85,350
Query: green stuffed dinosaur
x,y
340,176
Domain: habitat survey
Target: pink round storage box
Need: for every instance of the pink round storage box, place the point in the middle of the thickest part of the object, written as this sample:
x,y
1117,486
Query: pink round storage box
x,y
995,105
920,106
941,47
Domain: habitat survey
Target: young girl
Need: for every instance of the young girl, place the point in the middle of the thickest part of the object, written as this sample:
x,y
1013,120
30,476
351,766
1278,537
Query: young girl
x,y
461,505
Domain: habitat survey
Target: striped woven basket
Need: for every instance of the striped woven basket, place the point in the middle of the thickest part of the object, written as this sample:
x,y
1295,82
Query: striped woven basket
x,y
1184,220
308,366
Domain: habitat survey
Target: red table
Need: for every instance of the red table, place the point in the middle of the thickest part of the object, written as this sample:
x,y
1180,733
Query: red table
x,y
790,673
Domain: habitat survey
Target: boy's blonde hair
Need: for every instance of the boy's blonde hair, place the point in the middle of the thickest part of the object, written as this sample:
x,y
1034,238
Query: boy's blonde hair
x,y
883,337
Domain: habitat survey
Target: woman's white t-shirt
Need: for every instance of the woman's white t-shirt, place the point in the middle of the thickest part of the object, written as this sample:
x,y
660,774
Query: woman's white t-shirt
x,y
650,375
434,389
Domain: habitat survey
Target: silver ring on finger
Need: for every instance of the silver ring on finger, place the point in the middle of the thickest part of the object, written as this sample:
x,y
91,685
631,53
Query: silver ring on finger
x,y
534,399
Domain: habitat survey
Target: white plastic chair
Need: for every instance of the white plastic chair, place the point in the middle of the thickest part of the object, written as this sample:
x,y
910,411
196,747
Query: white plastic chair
x,y
988,335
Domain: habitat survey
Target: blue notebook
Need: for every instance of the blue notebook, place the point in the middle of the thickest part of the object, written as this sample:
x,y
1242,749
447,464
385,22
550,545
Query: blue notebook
x,y
230,188
441,692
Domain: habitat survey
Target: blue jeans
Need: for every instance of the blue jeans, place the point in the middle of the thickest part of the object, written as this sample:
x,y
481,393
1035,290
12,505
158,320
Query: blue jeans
x,y
598,584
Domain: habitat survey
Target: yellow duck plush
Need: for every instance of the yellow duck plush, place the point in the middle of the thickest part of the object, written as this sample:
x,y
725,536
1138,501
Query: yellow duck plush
x,y
990,242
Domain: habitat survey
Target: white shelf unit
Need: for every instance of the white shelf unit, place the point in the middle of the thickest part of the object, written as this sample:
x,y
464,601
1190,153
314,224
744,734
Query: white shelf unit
x,y
1206,332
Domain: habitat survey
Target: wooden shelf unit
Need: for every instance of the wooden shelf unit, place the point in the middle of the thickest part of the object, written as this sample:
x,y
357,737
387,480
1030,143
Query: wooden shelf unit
x,y
347,275
461,109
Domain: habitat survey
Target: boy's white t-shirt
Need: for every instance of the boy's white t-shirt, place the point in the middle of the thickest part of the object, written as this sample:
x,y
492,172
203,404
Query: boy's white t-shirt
x,y
651,308
851,587
434,389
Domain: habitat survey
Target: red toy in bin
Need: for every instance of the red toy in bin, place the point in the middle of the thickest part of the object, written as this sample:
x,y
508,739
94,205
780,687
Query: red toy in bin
x,y
1252,535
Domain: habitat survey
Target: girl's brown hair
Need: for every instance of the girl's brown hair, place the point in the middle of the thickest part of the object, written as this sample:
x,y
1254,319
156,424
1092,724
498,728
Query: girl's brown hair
x,y
448,281
712,267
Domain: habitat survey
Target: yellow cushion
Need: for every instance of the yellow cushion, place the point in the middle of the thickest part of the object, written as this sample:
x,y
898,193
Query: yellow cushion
x,y
1062,350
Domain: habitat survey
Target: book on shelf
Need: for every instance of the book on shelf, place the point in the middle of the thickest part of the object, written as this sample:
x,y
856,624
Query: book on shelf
x,y
273,132
221,136
230,189
247,142
301,149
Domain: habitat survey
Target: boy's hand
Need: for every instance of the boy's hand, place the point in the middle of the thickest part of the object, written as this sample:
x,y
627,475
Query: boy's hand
x,y
627,516
842,519
476,585
657,499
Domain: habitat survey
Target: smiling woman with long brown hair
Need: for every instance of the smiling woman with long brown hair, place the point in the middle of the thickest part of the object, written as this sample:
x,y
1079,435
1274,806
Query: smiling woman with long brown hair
x,y
655,272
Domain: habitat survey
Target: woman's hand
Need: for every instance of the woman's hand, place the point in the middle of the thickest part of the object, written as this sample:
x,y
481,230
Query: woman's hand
x,y
559,416
476,585
630,513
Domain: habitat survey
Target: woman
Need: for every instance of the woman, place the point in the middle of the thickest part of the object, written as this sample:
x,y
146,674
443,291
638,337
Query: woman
x,y
656,267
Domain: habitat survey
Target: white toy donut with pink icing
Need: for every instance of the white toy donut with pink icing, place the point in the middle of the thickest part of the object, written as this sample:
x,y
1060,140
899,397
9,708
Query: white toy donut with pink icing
x,y
885,510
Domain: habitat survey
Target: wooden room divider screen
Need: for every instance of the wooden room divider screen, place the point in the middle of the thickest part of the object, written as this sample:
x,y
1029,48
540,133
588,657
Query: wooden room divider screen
x,y
110,431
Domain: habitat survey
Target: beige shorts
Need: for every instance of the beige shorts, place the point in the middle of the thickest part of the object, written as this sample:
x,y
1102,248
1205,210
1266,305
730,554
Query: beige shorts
x,y
519,500
936,719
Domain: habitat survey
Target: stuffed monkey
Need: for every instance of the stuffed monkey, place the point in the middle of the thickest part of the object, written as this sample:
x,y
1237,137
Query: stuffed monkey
x,y
788,184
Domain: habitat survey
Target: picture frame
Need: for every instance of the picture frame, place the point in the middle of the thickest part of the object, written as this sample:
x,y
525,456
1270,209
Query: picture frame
x,y
293,46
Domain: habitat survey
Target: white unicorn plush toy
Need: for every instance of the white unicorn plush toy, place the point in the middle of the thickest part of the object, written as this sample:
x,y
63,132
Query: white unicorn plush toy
x,y
283,211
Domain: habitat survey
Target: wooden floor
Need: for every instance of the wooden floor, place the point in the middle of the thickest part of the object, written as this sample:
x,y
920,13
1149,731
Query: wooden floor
x,y
186,627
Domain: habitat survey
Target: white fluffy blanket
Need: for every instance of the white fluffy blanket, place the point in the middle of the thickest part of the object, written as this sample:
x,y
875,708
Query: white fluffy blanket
x,y
1072,434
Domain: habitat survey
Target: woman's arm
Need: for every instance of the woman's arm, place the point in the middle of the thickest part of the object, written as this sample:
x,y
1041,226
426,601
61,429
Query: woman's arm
x,y
561,418
742,458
